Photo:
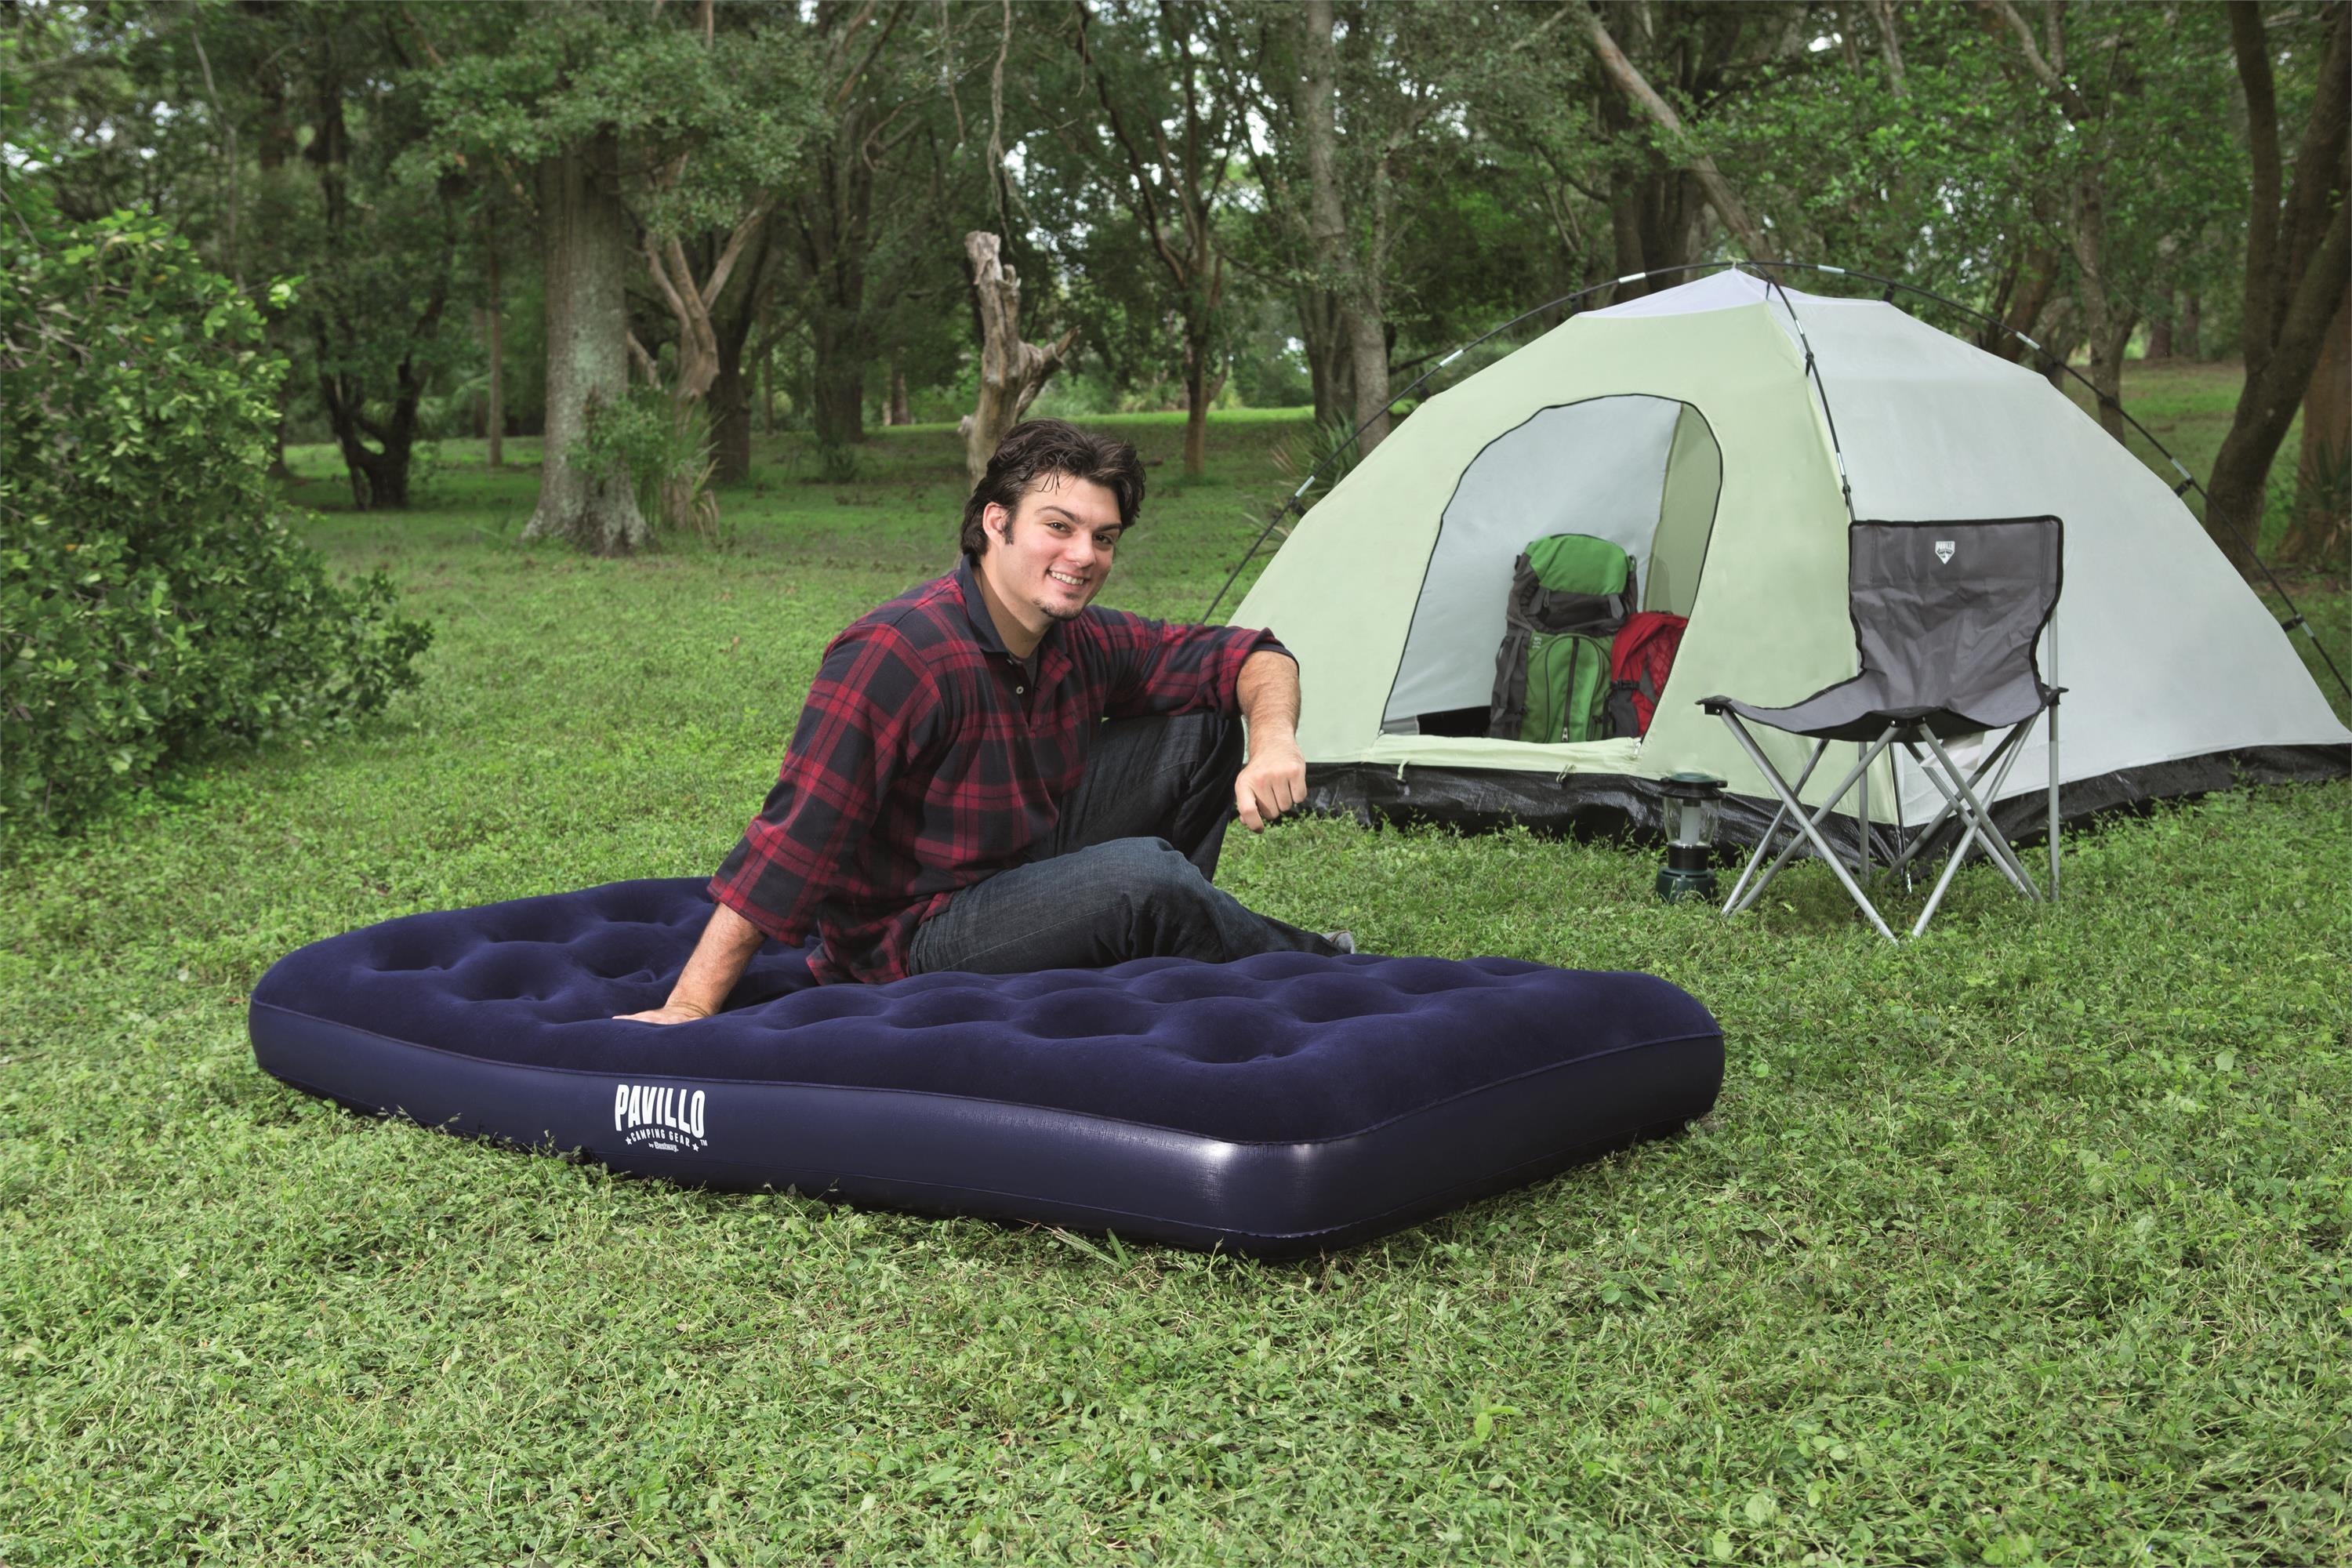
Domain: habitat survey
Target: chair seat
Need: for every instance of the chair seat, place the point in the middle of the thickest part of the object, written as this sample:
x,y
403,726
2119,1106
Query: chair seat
x,y
1860,709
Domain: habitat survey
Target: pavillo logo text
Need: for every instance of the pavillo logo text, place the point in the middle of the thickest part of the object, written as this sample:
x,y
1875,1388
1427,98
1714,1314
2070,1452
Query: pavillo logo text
x,y
658,1117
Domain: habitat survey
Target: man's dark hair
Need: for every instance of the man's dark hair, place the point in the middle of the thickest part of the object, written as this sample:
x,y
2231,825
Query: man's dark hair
x,y
1038,448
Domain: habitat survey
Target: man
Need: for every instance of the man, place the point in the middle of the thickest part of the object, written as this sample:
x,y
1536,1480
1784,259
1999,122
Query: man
x,y
990,775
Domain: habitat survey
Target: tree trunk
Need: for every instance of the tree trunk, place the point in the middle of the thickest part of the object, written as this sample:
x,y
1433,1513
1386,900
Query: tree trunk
x,y
1655,213
2160,330
2299,258
1638,92
1329,365
2235,489
1173,195
1010,371
2107,371
1198,394
838,384
2020,305
1368,344
587,264
378,473
2186,338
734,314
2318,538
496,323
730,419
1339,268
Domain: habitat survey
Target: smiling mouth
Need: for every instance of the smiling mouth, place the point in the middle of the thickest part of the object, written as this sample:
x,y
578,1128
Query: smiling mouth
x,y
1065,580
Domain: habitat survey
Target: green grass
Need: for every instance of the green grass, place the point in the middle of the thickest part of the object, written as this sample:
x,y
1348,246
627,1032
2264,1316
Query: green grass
x,y
2025,1243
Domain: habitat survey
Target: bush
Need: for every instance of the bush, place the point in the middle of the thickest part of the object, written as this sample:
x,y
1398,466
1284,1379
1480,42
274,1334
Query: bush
x,y
153,597
663,451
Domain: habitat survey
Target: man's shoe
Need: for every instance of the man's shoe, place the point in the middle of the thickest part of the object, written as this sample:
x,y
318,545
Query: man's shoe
x,y
1345,940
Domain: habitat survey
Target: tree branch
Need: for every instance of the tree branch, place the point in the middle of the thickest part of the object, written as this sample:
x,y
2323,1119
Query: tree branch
x,y
2261,306
850,82
645,361
2319,162
2054,84
719,269
1629,82
1146,207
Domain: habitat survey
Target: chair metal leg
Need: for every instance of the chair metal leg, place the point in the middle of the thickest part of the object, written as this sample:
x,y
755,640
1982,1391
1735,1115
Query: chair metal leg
x,y
1902,857
1737,902
1968,842
1811,827
1951,869
1732,904
2002,757
1996,842
2054,800
1975,830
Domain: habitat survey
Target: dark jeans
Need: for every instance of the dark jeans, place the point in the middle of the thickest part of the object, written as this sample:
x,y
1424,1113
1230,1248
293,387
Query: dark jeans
x,y
1127,872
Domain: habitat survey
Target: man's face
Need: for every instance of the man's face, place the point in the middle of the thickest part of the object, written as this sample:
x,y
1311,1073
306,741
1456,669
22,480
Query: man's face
x,y
1047,560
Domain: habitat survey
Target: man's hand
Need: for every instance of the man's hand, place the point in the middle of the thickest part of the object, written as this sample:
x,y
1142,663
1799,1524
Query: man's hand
x,y
1272,781
719,958
668,1013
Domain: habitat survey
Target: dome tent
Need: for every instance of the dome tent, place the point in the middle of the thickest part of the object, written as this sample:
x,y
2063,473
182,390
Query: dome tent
x,y
1686,426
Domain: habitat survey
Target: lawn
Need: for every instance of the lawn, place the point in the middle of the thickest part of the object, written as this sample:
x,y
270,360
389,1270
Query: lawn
x,y
2024,1243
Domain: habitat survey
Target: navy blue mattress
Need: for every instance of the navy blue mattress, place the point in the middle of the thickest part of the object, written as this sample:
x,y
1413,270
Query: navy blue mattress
x,y
1279,1104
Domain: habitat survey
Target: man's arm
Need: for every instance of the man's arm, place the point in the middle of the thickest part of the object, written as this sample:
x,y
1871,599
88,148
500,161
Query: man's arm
x,y
866,714
726,946
1274,780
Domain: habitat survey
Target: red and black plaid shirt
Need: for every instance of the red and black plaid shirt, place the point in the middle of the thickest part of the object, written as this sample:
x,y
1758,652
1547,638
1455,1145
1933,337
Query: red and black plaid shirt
x,y
928,759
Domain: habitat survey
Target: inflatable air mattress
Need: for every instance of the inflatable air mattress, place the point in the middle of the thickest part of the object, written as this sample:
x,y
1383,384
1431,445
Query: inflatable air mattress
x,y
1279,1104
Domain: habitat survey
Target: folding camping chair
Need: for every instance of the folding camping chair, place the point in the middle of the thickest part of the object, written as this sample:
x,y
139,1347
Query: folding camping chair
x,y
1945,615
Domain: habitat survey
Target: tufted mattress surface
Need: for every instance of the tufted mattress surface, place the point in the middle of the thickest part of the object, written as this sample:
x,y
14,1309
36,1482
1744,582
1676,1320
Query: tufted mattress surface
x,y
1279,1102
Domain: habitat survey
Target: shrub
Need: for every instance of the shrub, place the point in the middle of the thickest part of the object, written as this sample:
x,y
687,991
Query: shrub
x,y
660,449
153,597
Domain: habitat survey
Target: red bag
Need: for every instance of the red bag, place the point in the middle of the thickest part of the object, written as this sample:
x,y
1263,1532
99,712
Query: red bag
x,y
1639,659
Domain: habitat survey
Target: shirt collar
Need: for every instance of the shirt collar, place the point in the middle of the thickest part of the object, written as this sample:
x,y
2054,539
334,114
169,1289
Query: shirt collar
x,y
983,624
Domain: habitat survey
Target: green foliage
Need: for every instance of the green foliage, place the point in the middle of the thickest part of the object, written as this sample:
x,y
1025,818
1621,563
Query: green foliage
x,y
153,596
662,451
1323,450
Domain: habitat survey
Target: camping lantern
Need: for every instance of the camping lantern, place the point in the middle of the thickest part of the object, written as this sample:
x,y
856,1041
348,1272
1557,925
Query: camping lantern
x,y
1694,805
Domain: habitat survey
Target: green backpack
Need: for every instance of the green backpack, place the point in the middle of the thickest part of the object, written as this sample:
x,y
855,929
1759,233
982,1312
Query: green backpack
x,y
1570,592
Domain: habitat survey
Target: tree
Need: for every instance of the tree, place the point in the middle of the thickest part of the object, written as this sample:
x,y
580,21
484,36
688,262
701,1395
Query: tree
x,y
154,599
874,109
1166,148
1662,233
380,250
1011,372
584,236
2323,471
1366,82
274,137
644,132
2299,258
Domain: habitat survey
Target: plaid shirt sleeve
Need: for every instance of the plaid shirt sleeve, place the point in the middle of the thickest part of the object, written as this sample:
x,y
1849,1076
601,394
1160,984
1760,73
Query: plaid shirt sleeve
x,y
1159,668
868,713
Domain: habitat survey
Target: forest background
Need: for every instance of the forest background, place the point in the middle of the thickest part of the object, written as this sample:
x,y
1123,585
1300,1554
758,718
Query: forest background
x,y
650,229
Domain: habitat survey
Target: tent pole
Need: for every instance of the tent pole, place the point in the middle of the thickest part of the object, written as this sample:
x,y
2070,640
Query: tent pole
x,y
2054,762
